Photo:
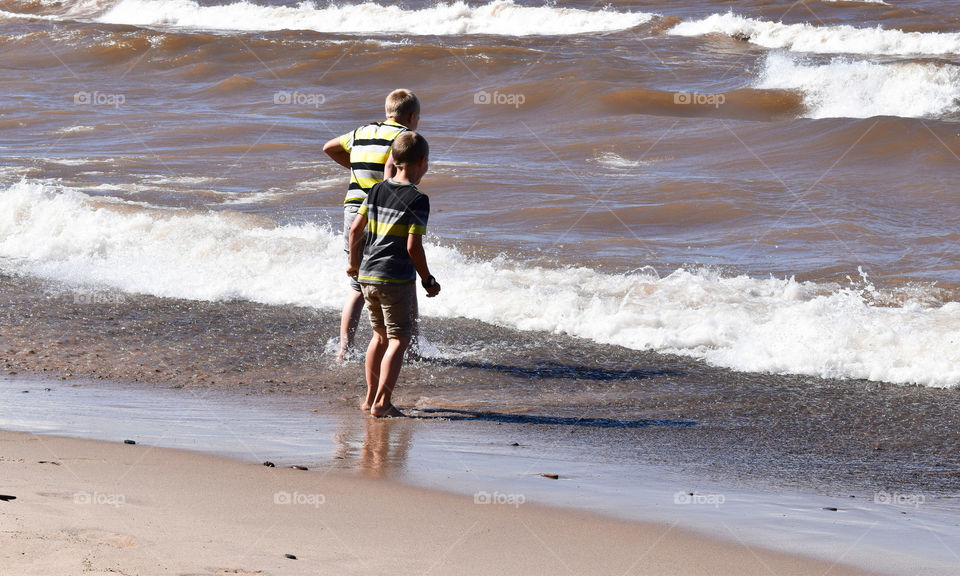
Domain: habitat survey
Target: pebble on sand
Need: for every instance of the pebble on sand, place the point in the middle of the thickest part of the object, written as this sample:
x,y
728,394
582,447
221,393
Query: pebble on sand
x,y
269,464
551,476
7,497
129,442
290,556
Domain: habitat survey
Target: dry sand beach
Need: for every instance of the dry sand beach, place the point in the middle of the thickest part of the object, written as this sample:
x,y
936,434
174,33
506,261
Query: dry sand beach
x,y
98,508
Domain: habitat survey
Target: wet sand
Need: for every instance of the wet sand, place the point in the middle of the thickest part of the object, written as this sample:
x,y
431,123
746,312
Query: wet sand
x,y
831,437
107,508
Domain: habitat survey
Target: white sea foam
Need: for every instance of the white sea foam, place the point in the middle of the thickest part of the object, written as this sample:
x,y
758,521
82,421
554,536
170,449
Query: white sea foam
x,y
250,198
179,180
502,17
72,129
614,161
75,161
748,324
317,184
845,88
856,2
20,16
805,37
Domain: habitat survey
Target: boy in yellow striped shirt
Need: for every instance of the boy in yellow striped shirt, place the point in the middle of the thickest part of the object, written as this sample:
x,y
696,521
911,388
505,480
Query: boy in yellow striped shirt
x,y
366,152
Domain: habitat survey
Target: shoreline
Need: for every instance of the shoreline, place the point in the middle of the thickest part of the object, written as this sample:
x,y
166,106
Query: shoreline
x,y
830,436
111,507
496,462
630,433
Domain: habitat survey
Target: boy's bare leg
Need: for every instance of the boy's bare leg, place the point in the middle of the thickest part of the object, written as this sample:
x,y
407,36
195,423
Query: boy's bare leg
x,y
375,353
349,319
390,366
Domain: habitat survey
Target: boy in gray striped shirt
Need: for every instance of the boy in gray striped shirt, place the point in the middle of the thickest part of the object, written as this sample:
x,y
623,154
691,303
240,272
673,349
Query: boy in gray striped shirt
x,y
387,262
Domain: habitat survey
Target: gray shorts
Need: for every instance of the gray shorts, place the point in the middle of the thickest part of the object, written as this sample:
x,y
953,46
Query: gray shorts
x,y
349,215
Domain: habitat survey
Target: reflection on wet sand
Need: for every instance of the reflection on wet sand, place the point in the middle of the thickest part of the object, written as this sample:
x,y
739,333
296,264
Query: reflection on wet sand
x,y
384,449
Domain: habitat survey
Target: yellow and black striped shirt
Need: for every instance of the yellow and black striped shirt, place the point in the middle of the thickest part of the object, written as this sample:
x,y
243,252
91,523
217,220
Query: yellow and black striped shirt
x,y
369,147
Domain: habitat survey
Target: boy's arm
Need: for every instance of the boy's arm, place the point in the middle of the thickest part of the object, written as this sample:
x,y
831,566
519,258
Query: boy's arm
x,y
334,149
356,244
419,258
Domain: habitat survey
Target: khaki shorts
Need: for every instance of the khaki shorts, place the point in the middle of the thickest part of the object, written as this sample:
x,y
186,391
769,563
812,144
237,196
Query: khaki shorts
x,y
391,307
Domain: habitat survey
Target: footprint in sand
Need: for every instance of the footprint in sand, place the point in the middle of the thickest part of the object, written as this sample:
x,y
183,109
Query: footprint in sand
x,y
121,541
226,571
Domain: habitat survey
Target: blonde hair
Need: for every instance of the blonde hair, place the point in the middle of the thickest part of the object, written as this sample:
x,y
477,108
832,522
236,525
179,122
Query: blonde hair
x,y
401,103
409,147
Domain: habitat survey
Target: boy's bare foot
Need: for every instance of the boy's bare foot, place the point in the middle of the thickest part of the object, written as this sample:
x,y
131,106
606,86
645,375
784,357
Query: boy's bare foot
x,y
342,354
386,412
365,406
